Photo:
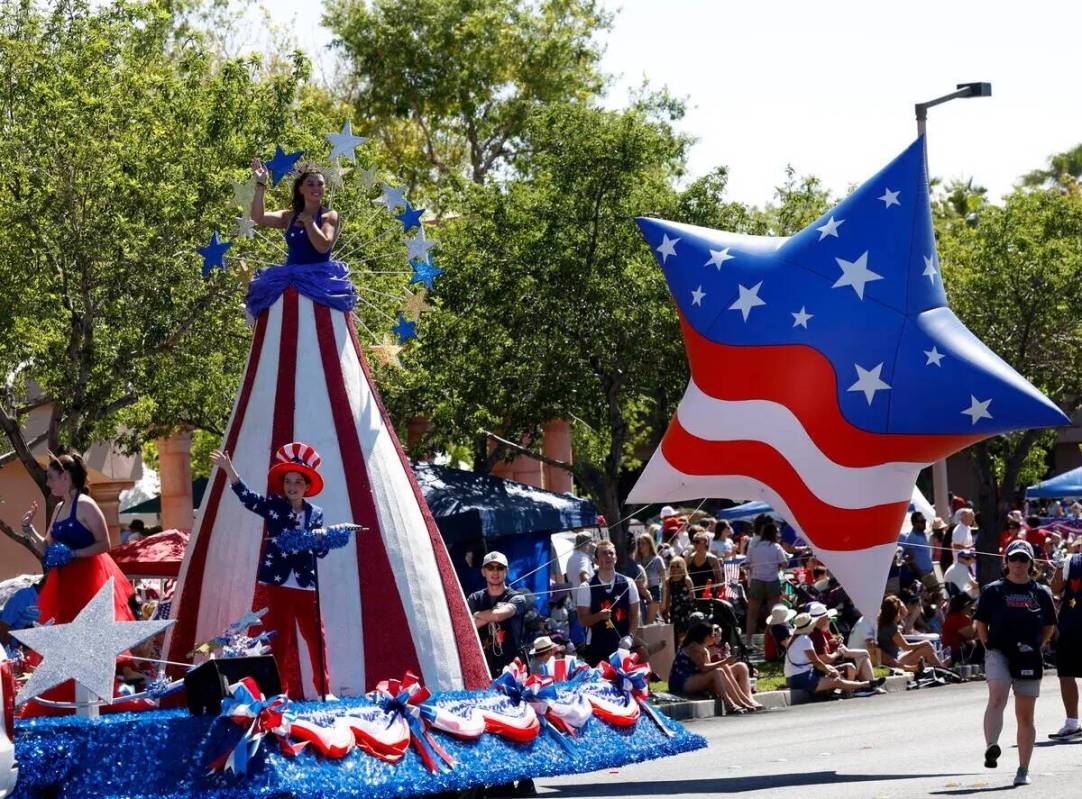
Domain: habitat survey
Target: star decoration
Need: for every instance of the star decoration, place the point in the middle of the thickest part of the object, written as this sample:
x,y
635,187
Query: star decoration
x,y
410,218
416,305
368,177
840,456
856,274
424,272
333,173
243,192
977,409
392,197
667,248
830,228
930,271
417,246
282,163
890,198
343,144
697,296
214,254
404,329
245,227
869,382
86,649
748,299
387,352
719,257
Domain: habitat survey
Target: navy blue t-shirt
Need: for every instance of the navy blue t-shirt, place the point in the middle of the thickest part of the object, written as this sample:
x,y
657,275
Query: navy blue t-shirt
x,y
1015,613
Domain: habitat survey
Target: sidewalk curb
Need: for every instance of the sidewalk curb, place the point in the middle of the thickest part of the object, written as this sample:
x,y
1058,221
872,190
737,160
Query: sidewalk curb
x,y
772,700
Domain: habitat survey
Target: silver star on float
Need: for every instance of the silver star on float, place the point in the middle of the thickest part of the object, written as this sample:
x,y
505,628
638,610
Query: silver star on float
x,y
418,246
245,227
86,649
392,197
345,143
368,177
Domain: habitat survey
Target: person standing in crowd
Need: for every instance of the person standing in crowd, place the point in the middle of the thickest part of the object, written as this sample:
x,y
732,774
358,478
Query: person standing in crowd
x,y
722,543
918,549
1015,620
764,561
580,568
704,568
498,612
959,577
1067,582
678,597
608,606
962,534
646,556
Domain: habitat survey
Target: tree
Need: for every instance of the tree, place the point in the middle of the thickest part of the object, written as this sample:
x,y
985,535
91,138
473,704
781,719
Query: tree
x,y
117,141
450,84
1063,172
1013,280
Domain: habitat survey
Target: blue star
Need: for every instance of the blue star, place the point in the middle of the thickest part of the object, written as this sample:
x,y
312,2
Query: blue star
x,y
214,254
424,272
405,329
410,218
282,163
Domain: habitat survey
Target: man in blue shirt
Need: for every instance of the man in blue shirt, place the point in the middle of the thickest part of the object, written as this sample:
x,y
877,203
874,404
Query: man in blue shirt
x,y
918,552
20,612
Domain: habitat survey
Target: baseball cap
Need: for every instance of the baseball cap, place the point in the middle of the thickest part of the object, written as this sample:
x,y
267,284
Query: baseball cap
x,y
1020,545
494,557
965,553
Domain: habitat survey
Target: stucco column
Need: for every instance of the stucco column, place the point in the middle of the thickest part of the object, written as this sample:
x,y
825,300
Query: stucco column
x,y
557,445
522,469
175,472
107,494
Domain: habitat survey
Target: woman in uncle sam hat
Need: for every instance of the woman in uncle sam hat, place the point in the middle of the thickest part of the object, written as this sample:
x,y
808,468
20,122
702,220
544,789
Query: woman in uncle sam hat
x,y
287,581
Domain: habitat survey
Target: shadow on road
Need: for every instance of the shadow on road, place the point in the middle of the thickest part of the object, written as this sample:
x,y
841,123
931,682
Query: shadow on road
x,y
971,791
725,784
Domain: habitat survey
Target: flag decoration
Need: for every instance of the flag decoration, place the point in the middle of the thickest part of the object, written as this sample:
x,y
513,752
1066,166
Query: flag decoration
x,y
826,371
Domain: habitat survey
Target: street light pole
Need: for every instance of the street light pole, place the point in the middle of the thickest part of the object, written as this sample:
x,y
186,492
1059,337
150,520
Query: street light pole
x,y
939,468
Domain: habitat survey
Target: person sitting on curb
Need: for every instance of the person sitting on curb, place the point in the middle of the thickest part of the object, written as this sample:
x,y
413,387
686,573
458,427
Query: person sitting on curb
x,y
695,670
806,671
894,650
854,664
777,625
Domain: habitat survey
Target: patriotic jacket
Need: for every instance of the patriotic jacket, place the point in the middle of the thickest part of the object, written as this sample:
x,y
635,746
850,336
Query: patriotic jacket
x,y
275,566
604,636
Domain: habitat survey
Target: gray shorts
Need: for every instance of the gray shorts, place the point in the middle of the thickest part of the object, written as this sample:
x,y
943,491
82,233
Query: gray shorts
x,y
996,668
764,590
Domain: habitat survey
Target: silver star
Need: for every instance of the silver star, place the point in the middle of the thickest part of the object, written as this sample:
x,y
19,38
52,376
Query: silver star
x,y
801,317
719,257
868,381
976,411
245,227
392,197
368,177
830,228
418,246
856,274
345,142
667,247
890,198
747,299
86,649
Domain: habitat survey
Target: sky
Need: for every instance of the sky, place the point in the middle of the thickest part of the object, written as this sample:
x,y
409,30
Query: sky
x,y
830,87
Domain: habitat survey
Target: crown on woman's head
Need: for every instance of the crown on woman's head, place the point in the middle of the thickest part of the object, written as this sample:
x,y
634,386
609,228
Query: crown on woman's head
x,y
308,167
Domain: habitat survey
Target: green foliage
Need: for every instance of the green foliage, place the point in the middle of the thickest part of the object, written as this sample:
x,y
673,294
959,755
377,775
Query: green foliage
x,y
450,84
1063,172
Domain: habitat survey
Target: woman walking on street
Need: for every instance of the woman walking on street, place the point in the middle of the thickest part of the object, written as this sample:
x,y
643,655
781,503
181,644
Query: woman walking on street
x,y
1015,620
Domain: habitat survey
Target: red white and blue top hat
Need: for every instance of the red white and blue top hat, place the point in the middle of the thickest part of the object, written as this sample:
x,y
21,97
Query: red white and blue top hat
x,y
295,457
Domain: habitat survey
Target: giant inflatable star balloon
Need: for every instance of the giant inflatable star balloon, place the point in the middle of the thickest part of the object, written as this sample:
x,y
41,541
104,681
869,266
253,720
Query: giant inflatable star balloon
x,y
827,371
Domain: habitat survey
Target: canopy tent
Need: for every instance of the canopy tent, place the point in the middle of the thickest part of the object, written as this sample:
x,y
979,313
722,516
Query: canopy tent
x,y
742,513
157,555
154,504
1068,484
514,518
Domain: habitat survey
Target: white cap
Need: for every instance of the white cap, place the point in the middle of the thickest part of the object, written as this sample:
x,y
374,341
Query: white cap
x,y
494,557
668,511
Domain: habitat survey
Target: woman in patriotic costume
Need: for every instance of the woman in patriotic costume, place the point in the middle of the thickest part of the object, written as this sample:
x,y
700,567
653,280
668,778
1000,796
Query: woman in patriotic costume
x,y
391,601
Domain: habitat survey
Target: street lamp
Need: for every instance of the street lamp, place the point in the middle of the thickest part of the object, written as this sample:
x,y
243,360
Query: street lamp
x,y
939,468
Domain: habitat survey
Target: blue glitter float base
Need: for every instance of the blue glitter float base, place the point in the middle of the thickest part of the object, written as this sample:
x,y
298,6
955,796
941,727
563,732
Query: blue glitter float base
x,y
164,754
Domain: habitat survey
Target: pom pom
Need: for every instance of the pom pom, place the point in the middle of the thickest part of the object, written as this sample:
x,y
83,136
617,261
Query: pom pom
x,y
321,540
58,555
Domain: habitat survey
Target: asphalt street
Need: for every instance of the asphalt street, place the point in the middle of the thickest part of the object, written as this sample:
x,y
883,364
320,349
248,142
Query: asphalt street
x,y
925,743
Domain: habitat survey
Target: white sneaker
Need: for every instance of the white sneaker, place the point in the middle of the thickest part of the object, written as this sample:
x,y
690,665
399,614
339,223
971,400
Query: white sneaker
x,y
1066,732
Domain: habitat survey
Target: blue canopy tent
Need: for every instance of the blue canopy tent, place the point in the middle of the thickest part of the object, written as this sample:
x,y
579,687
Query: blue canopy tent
x,y
1068,484
477,511
749,510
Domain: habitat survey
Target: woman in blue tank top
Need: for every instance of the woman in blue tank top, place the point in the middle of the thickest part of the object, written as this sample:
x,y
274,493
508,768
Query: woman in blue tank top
x,y
310,230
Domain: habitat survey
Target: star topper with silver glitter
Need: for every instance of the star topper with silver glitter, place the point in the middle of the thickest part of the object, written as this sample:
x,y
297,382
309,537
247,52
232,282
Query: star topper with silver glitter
x,y
86,649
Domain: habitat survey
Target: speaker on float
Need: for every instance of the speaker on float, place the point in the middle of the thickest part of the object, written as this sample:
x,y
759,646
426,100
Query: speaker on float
x,y
208,683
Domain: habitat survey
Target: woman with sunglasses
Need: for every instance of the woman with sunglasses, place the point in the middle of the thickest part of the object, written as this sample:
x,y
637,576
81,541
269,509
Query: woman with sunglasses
x,y
1015,620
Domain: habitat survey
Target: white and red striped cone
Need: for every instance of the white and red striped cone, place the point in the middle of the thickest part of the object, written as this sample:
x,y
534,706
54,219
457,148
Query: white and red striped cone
x,y
391,601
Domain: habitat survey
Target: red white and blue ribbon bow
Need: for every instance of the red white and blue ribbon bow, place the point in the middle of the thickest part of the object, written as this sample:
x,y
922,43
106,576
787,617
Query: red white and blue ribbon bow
x,y
408,698
247,707
631,680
